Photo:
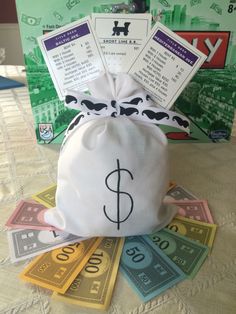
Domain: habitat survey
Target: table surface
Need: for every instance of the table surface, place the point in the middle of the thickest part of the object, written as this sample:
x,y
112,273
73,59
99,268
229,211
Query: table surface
x,y
207,170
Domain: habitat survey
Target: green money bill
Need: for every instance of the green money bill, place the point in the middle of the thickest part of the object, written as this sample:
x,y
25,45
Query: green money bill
x,y
188,255
30,20
216,8
148,270
93,287
196,230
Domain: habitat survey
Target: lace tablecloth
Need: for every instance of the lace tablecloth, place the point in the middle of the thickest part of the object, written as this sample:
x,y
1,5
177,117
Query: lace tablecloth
x,y
207,170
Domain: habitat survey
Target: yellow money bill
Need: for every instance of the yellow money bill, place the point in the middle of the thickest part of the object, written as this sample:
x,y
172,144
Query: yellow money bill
x,y
47,196
196,230
93,287
56,270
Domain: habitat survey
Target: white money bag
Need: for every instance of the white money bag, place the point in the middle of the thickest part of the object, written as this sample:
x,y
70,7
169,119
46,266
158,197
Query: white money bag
x,y
113,165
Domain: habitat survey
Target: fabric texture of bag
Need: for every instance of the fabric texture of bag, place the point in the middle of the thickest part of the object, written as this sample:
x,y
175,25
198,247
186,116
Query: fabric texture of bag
x,y
113,166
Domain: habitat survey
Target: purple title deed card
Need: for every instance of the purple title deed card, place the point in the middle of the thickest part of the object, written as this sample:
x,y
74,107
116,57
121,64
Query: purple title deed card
x,y
67,36
165,65
73,56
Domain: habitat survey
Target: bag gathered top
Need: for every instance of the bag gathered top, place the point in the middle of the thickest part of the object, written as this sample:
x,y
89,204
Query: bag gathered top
x,y
113,165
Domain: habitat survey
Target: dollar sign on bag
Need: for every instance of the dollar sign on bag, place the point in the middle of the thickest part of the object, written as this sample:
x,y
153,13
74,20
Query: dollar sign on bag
x,y
119,193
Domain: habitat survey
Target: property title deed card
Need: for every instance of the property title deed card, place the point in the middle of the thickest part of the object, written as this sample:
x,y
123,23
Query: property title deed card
x,y
165,65
121,36
73,56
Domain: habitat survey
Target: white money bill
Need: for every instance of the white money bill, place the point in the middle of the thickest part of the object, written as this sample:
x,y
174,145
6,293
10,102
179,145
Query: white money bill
x,y
28,243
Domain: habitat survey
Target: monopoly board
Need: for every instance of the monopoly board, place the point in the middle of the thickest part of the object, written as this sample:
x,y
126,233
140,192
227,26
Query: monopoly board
x,y
209,100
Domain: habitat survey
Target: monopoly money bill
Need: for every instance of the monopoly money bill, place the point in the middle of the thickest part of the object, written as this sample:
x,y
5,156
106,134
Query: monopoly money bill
x,y
148,270
24,244
56,270
196,230
188,255
47,196
93,287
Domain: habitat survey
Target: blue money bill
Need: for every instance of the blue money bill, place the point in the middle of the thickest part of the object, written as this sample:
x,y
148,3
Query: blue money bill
x,y
147,269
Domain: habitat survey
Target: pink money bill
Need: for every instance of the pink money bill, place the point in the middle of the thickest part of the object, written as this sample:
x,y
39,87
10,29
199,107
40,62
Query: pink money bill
x,y
194,209
29,215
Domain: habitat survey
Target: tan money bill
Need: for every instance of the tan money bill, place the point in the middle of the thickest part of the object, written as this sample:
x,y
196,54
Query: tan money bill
x,y
47,196
93,287
56,270
196,230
